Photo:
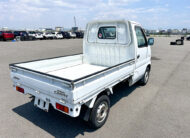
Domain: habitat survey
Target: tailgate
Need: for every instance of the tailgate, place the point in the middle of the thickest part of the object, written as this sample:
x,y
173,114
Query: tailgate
x,y
41,84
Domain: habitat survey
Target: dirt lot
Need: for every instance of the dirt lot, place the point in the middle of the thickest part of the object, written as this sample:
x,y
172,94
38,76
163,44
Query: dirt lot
x,y
159,109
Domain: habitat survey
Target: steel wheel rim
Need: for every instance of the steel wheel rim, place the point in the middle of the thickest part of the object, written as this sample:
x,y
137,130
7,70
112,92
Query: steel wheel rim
x,y
146,76
102,112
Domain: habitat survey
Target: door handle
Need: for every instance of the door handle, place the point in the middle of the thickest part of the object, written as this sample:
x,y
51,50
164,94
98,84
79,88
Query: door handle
x,y
138,56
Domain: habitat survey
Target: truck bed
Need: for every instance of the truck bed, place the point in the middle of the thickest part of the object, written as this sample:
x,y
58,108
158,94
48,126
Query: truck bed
x,y
76,72
68,68
67,79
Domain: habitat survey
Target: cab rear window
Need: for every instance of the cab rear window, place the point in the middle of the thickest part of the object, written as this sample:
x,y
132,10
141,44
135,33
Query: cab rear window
x,y
108,32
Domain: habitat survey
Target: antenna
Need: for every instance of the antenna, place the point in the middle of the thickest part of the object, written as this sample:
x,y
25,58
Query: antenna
x,y
75,21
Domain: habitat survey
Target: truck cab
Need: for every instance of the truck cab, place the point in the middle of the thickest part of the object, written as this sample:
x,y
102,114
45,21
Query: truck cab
x,y
111,43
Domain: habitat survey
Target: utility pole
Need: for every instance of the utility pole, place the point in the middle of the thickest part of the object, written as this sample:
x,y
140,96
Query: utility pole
x,y
75,21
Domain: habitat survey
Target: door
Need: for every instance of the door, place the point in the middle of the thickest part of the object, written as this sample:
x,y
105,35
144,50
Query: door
x,y
141,51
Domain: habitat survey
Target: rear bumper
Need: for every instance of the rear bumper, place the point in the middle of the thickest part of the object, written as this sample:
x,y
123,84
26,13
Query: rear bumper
x,y
74,110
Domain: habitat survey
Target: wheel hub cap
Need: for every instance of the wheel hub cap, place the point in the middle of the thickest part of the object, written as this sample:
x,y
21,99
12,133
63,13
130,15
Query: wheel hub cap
x,y
146,76
102,112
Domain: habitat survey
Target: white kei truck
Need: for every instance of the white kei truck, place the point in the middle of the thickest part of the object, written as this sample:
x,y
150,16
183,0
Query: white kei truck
x,y
113,51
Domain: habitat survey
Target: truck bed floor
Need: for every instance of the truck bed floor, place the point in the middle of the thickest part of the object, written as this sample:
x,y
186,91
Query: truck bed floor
x,y
77,71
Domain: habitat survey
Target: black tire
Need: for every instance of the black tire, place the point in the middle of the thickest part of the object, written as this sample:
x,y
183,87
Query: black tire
x,y
172,43
102,102
179,42
145,77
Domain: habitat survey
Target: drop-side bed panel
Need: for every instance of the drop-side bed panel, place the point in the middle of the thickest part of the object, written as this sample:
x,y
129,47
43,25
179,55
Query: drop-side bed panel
x,y
47,65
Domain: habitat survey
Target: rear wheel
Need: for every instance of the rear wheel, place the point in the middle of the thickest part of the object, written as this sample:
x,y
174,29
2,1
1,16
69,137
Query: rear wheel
x,y
100,112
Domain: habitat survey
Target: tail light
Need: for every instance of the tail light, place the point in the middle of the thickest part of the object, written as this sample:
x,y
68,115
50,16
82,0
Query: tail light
x,y
62,108
20,89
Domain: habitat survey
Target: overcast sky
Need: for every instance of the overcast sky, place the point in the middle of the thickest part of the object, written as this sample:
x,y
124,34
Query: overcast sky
x,y
152,14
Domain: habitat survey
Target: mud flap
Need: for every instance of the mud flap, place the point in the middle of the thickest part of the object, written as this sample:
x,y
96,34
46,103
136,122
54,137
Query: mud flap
x,y
85,113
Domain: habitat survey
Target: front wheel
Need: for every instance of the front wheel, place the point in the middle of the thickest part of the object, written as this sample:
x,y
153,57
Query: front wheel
x,y
145,78
100,112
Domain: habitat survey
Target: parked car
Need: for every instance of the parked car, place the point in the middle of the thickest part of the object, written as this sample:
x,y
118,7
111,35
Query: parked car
x,y
32,33
79,34
188,38
16,34
147,34
72,35
54,36
48,35
58,35
1,35
82,84
65,34
39,35
6,35
23,36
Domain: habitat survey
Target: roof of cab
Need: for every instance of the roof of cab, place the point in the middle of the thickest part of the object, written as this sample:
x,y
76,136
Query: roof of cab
x,y
112,21
133,22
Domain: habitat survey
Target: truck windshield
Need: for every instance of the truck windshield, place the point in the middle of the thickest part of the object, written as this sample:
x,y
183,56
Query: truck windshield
x,y
107,32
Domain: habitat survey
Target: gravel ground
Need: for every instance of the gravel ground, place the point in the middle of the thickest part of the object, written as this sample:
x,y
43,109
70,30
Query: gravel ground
x,y
159,109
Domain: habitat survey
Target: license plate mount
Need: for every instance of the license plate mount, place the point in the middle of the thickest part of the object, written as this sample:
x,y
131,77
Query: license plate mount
x,y
44,105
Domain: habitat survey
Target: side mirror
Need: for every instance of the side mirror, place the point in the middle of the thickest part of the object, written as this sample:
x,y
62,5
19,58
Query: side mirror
x,y
151,41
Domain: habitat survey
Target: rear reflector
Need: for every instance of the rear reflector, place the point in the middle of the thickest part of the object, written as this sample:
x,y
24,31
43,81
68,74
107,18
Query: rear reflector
x,y
62,108
20,89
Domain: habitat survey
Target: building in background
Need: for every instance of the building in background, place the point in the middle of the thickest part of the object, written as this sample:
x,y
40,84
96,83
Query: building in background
x,y
188,31
58,29
184,31
175,31
46,30
5,28
74,29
